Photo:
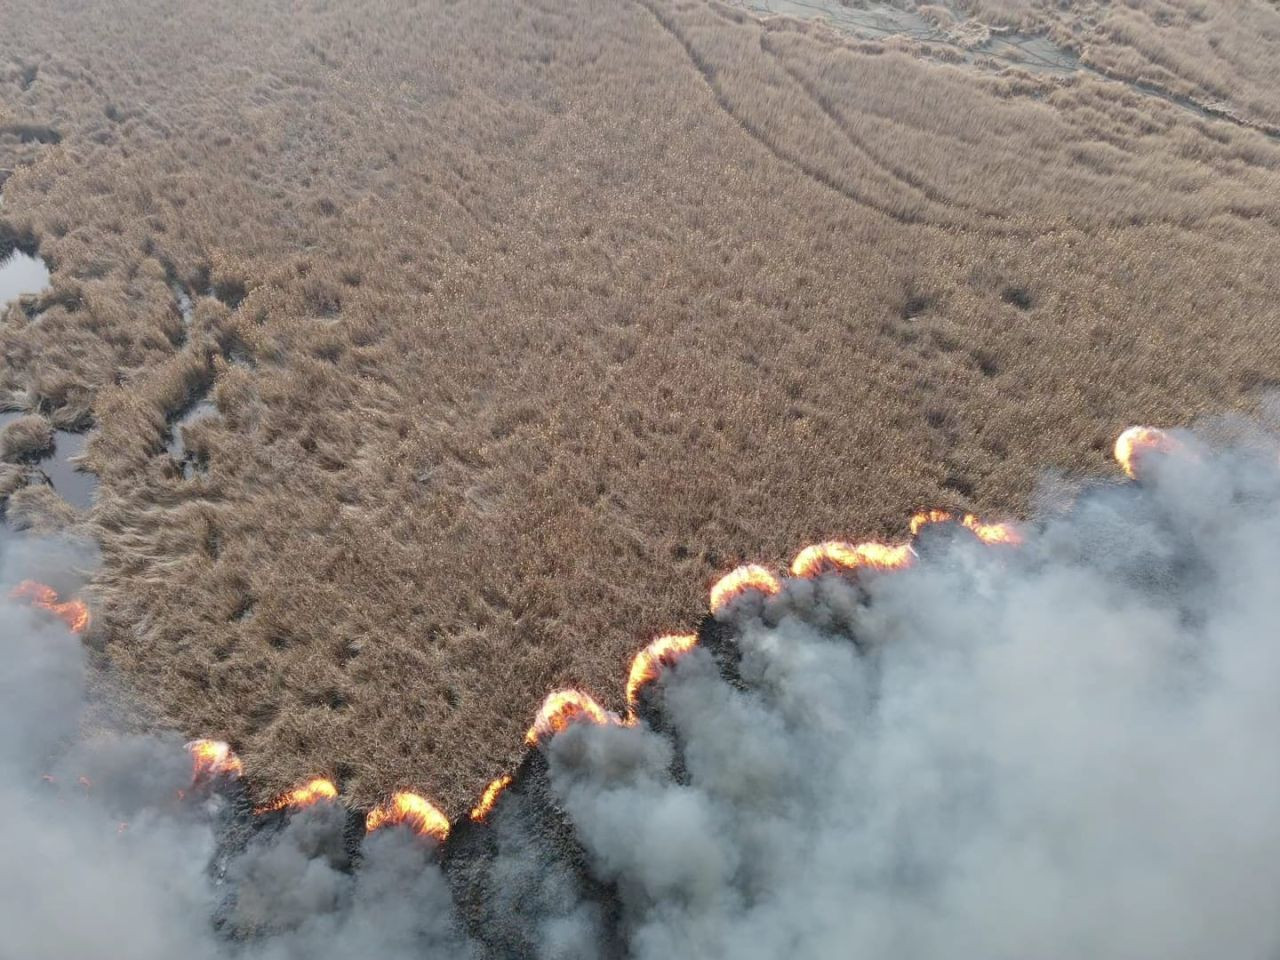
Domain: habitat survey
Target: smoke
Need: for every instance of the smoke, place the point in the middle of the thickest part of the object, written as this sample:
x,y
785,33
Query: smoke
x,y
103,857
1060,749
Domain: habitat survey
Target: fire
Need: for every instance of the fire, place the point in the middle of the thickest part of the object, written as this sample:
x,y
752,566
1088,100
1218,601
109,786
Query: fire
x,y
1136,441
738,582
309,794
648,663
835,555
885,556
213,758
992,532
561,709
926,517
986,532
826,557
413,811
480,812
74,613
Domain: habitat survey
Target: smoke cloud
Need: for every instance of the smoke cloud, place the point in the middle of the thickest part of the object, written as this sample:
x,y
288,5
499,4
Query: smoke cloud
x,y
1060,749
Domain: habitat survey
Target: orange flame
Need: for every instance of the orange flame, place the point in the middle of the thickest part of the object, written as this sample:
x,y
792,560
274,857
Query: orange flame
x,y
309,794
649,662
213,758
417,813
986,532
480,812
738,582
926,517
992,532
74,613
835,555
561,709
1136,441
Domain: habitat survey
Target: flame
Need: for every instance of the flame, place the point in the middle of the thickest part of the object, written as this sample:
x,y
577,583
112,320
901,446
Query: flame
x,y
992,532
648,663
310,793
738,582
926,517
826,557
480,812
835,555
986,532
213,758
559,710
74,613
417,813
1136,441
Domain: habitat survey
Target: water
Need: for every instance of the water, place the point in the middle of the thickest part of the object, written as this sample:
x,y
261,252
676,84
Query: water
x,y
177,445
21,273
185,307
1032,53
74,485
71,483
874,21
878,20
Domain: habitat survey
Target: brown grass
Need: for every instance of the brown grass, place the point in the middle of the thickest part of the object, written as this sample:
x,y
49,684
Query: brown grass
x,y
525,321
26,438
1217,54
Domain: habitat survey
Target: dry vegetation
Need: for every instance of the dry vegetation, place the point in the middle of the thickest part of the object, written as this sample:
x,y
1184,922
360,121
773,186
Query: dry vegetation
x,y
28,436
523,321
1216,54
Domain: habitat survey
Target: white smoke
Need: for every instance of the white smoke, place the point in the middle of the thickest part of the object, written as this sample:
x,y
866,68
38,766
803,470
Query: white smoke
x,y
1063,749
100,858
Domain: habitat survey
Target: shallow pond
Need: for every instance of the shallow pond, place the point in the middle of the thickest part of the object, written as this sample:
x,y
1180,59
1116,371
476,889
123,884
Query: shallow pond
x,y
21,273
74,485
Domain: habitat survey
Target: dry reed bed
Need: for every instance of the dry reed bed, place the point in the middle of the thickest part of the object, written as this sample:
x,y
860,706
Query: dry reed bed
x,y
523,322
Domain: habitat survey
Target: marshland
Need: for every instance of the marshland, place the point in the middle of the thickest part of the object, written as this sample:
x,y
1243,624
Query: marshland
x,y
428,357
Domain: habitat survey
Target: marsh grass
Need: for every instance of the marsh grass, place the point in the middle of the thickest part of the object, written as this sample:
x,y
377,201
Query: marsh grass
x,y
27,438
525,322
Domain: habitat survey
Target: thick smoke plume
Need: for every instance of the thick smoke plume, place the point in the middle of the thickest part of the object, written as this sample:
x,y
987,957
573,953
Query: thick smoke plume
x,y
1063,748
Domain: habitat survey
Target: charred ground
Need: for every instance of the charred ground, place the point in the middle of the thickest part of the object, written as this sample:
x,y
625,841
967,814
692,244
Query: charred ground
x,y
523,322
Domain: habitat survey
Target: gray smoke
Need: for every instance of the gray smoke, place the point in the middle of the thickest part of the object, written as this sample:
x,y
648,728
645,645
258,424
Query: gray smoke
x,y
1064,749
100,858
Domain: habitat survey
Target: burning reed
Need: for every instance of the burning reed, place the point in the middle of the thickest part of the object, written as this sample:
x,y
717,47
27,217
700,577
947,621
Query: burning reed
x,y
1009,741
